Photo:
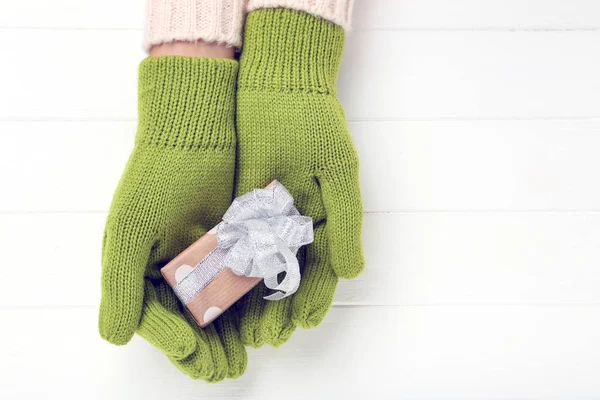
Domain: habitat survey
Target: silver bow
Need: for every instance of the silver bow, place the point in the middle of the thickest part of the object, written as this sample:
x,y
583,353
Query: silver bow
x,y
262,231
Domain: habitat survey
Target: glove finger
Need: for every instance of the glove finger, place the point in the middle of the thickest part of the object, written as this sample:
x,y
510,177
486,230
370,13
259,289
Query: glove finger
x,y
207,362
200,364
343,205
250,310
315,295
276,321
217,352
164,329
125,255
235,352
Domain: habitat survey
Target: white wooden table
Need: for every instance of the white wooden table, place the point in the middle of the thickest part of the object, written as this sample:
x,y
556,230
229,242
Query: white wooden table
x,y
478,127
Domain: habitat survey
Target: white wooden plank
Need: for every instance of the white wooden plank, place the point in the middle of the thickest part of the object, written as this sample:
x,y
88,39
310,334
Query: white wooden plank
x,y
394,352
412,259
75,14
476,14
76,74
470,75
68,166
478,165
372,14
428,75
405,165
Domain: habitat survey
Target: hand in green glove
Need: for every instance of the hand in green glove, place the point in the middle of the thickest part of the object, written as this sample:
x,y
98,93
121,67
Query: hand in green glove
x,y
291,127
176,186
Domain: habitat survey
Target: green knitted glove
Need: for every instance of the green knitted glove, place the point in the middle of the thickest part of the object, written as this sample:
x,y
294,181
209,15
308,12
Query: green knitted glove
x,y
177,184
291,127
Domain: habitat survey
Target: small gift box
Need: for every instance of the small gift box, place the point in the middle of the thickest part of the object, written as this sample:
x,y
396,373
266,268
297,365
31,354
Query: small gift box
x,y
258,239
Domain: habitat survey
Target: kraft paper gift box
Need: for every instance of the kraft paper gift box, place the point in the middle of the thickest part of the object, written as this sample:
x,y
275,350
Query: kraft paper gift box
x,y
220,293
259,237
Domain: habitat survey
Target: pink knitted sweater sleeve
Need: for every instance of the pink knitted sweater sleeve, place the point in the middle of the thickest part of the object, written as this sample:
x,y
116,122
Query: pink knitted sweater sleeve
x,y
191,20
337,11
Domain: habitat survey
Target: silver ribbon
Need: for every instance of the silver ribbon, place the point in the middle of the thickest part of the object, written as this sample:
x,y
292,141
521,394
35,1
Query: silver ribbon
x,y
259,237
263,231
203,274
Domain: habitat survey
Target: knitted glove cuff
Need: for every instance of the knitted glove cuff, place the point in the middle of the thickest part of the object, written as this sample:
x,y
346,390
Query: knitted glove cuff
x,y
337,11
186,102
287,50
191,20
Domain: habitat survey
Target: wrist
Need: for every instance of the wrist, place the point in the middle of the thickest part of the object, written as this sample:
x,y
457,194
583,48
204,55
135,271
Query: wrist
x,y
193,49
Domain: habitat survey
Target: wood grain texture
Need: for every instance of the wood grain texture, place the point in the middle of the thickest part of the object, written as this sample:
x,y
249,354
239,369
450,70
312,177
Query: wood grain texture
x,y
476,14
368,14
387,353
478,126
412,259
429,75
468,75
405,165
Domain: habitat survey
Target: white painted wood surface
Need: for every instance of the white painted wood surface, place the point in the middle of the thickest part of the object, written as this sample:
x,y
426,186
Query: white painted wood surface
x,y
386,75
478,127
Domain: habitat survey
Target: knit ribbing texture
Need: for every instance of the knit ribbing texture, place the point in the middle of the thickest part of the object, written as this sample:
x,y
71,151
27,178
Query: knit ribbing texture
x,y
176,186
337,11
291,127
218,21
